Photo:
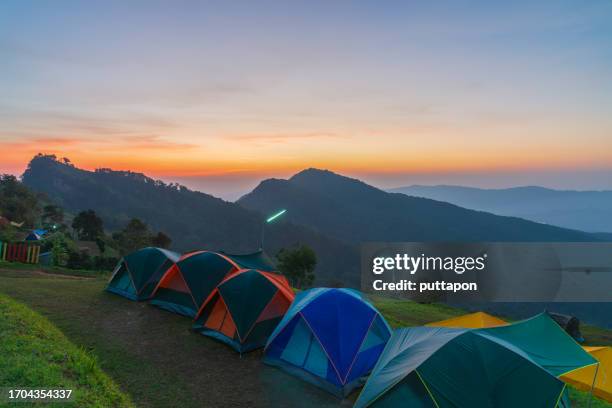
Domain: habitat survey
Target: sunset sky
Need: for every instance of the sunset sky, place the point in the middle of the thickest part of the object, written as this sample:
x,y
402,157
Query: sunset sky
x,y
218,95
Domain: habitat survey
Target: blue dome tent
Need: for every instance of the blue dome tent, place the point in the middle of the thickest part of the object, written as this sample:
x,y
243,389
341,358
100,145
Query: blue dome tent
x,y
329,337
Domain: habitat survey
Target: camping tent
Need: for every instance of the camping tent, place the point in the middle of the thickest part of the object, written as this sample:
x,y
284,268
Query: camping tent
x,y
545,342
583,378
245,308
256,260
329,337
137,274
36,235
187,284
444,367
470,321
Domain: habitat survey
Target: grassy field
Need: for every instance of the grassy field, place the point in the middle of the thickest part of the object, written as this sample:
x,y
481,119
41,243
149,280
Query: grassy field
x,y
55,270
155,359
401,314
35,353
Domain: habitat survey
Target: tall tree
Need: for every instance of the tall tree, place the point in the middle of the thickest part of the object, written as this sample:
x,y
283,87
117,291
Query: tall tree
x,y
88,225
298,265
17,202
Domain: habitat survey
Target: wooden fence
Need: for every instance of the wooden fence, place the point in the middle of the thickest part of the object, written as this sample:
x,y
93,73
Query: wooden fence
x,y
19,252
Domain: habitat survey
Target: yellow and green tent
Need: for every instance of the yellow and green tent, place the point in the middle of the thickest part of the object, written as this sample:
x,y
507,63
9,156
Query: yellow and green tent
x,y
516,365
583,377
476,320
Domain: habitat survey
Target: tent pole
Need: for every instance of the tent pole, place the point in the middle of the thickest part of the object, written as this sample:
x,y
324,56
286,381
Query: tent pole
x,y
593,385
263,230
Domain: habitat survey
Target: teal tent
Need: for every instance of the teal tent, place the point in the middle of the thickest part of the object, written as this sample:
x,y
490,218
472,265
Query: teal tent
x,y
137,274
187,284
545,342
511,366
256,260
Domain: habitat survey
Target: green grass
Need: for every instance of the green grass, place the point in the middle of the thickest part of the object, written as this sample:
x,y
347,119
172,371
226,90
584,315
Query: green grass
x,y
158,362
73,305
403,313
35,354
581,399
53,269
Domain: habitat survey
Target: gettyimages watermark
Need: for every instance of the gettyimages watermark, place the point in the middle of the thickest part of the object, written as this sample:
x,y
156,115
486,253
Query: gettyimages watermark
x,y
490,272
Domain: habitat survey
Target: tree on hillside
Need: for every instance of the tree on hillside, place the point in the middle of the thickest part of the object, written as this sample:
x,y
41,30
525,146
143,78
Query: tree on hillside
x,y
9,233
161,240
88,225
133,236
297,265
136,235
53,214
17,202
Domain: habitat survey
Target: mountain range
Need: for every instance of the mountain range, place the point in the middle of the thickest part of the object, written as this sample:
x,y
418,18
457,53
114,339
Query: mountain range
x,y
331,213
582,210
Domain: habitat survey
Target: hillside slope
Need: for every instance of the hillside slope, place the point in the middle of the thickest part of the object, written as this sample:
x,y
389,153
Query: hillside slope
x,y
353,211
583,210
35,354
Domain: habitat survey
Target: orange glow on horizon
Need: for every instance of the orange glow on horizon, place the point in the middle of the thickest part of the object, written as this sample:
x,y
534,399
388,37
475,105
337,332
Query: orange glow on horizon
x,y
171,165
281,155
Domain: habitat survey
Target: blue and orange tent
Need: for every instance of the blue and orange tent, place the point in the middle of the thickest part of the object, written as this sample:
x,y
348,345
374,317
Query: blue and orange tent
x,y
245,308
329,337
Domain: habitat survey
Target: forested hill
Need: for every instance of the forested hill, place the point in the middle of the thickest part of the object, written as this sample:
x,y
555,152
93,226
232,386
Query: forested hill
x,y
353,211
331,213
192,219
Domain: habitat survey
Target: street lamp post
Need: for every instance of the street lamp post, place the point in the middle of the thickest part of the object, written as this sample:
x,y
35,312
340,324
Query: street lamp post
x,y
267,221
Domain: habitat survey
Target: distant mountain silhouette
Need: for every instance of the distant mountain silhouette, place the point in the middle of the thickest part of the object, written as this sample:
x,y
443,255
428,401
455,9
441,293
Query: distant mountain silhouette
x,y
353,211
582,210
193,220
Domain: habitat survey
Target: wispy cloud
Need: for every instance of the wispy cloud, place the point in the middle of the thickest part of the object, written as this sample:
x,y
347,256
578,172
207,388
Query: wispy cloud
x,y
54,141
155,142
266,138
